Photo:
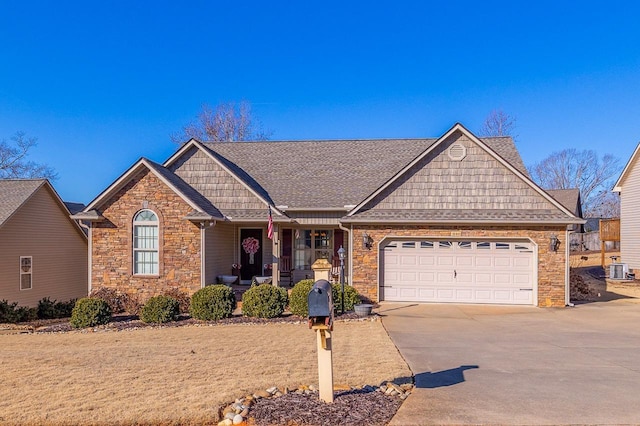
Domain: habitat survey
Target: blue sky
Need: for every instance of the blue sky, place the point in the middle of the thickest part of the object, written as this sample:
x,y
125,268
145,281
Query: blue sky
x,y
101,84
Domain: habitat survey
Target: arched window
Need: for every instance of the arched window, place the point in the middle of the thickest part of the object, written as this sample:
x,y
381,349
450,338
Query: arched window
x,y
145,243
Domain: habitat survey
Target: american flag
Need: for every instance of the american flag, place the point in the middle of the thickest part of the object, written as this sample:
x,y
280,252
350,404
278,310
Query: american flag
x,y
270,226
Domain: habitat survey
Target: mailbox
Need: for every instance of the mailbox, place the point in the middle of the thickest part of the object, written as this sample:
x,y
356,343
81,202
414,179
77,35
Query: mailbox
x,y
320,302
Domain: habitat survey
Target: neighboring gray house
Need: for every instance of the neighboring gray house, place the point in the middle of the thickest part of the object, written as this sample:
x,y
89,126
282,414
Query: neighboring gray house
x,y
453,219
628,186
43,253
570,198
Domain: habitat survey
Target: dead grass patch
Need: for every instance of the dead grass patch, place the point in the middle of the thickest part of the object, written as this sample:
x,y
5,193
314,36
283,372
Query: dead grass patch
x,y
175,375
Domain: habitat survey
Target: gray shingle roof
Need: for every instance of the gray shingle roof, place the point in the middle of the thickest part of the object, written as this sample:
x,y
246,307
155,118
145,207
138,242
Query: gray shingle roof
x,y
13,193
332,173
569,198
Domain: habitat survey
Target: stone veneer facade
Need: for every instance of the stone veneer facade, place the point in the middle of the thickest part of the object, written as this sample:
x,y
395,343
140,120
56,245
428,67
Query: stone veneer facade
x,y
551,265
179,241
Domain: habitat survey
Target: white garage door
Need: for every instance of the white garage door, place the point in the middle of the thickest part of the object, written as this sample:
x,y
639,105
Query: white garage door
x,y
458,272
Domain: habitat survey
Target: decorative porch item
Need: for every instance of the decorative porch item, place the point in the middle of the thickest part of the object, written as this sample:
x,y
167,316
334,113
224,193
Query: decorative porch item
x,y
250,246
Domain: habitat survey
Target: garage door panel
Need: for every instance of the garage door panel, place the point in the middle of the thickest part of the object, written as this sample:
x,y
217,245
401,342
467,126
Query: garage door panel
x,y
446,294
408,277
501,279
464,278
462,261
522,279
445,277
445,260
502,262
427,260
459,272
390,259
407,260
484,261
427,277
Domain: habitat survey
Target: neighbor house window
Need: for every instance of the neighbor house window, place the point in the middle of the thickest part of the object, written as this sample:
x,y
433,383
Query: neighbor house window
x,y
25,272
145,243
311,245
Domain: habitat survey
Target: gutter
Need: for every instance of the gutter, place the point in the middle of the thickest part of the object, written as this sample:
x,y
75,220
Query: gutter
x,y
89,252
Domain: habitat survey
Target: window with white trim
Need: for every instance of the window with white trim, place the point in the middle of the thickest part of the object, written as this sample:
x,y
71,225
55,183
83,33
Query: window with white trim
x,y
26,272
145,243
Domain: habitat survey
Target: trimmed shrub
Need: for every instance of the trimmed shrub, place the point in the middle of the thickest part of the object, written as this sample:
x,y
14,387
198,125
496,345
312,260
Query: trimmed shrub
x,y
114,298
89,312
298,299
12,313
184,301
131,304
351,297
213,302
298,304
264,301
50,310
160,309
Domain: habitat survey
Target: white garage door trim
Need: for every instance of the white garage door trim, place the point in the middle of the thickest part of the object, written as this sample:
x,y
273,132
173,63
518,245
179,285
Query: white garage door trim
x,y
455,270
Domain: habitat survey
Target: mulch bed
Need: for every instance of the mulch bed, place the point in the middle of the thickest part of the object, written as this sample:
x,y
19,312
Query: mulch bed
x,y
349,408
130,322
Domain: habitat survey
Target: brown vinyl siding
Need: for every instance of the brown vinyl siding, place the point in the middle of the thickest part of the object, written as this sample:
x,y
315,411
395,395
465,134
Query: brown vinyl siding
x,y
630,218
41,228
219,253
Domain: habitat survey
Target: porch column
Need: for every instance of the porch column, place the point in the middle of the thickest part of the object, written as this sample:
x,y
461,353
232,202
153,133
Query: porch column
x,y
275,256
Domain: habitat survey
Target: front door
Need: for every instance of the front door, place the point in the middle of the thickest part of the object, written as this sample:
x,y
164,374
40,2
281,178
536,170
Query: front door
x,y
250,253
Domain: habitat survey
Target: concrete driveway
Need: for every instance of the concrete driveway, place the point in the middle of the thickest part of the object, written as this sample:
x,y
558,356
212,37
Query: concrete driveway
x,y
519,365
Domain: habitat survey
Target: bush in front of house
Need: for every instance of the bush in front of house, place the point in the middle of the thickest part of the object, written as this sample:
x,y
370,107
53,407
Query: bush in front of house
x,y
12,313
183,299
264,301
48,309
160,309
114,298
89,312
213,303
298,304
351,297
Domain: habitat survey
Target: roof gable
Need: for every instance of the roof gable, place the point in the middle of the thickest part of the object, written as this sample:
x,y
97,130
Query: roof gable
x,y
14,193
203,208
627,169
479,186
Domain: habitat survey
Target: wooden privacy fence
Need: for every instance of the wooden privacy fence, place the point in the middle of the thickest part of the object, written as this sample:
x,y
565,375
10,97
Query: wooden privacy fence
x,y
609,231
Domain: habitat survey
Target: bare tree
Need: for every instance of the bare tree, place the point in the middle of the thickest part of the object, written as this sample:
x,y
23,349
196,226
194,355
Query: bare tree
x,y
571,168
606,205
499,123
14,163
227,122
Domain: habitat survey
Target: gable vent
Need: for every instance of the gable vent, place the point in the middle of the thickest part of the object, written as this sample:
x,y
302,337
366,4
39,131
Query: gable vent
x,y
457,152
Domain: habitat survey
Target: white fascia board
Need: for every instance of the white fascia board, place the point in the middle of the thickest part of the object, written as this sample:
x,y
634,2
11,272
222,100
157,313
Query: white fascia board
x,y
618,186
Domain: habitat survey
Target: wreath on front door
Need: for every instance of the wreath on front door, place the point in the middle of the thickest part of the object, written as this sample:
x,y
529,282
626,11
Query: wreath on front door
x,y
250,246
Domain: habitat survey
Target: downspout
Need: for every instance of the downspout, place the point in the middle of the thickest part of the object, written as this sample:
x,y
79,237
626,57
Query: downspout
x,y
567,277
350,232
88,228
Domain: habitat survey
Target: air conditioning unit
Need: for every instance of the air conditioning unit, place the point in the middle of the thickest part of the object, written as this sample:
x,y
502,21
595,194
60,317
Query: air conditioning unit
x,y
618,271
